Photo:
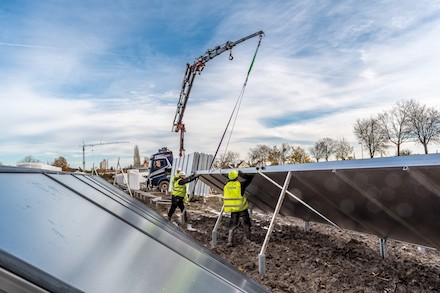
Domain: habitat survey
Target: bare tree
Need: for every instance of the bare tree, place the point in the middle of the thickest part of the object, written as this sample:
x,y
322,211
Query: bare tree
x,y
260,153
370,133
278,155
30,159
227,160
317,151
343,149
326,146
424,124
61,162
395,123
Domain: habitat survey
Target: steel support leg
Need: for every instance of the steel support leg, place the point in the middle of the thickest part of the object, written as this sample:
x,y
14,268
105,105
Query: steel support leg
x,y
261,263
306,226
214,231
214,238
383,248
183,217
262,256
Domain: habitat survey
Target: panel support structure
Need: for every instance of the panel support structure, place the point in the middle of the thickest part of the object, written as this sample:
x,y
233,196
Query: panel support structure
x,y
306,226
214,231
340,193
383,248
300,200
262,256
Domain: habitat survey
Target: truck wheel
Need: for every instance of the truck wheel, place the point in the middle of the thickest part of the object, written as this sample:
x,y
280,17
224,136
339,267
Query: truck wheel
x,y
163,186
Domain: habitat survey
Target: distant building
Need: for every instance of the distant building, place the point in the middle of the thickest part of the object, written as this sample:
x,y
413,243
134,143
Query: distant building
x,y
103,165
243,164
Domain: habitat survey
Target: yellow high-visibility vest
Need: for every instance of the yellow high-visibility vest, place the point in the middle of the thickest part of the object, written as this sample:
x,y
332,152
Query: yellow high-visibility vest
x,y
174,179
179,190
234,201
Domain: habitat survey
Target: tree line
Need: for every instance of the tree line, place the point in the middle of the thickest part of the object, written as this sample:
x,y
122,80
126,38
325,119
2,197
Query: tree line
x,y
60,162
406,121
64,165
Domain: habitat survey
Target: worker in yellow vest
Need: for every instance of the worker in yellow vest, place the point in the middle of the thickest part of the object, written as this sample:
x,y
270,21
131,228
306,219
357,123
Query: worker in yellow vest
x,y
235,202
179,193
176,176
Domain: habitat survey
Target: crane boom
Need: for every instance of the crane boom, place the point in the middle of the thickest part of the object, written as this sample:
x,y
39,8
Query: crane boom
x,y
95,144
188,80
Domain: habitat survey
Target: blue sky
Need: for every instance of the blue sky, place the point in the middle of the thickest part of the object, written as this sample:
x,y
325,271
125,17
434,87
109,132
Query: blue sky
x,y
103,71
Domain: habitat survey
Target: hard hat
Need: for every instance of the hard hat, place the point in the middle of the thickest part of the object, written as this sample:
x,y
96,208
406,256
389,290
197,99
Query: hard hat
x,y
178,170
232,175
182,173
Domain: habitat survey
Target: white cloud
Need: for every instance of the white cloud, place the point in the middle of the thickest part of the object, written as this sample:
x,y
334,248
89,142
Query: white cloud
x,y
79,73
368,74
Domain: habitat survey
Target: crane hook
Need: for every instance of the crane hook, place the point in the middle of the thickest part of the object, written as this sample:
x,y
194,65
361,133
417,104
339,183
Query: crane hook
x,y
230,55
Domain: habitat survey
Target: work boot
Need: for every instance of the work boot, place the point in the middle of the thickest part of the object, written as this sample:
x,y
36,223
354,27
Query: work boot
x,y
230,236
247,232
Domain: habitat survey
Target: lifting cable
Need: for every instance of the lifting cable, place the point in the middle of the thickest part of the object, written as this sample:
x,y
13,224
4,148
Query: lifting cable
x,y
236,108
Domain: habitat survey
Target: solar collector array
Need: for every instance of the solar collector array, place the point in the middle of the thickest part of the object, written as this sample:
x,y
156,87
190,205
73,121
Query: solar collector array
x,y
85,233
396,197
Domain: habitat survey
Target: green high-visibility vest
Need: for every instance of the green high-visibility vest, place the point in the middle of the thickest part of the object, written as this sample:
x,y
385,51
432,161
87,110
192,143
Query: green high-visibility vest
x,y
234,201
179,190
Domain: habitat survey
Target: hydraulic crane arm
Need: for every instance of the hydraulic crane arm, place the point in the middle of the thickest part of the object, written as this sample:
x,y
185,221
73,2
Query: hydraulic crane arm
x,y
226,46
188,80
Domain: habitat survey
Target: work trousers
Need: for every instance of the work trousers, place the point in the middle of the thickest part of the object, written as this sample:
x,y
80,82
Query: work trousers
x,y
235,216
176,201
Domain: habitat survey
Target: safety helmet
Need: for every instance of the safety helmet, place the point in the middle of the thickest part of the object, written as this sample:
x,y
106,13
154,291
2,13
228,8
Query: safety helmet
x,y
178,170
232,175
182,173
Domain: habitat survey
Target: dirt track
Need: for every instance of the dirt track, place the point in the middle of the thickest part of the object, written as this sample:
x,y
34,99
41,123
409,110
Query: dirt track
x,y
325,259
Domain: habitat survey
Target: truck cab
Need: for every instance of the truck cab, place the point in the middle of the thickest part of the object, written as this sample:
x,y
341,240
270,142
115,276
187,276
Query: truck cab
x,y
160,169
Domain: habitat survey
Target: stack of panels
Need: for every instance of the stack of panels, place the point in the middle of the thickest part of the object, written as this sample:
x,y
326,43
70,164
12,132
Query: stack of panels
x,y
397,198
190,164
75,232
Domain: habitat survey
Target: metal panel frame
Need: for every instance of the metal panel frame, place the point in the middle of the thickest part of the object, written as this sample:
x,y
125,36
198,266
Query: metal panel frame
x,y
393,198
129,213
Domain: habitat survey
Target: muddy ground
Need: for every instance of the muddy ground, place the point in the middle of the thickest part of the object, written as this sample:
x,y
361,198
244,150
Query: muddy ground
x,y
325,259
